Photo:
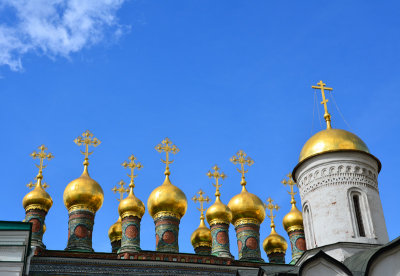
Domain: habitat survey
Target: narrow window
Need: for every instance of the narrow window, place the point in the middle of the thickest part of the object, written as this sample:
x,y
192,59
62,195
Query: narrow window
x,y
357,209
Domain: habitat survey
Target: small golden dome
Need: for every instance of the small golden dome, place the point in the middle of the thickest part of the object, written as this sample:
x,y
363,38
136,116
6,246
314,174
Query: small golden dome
x,y
332,139
293,220
247,206
274,243
167,198
38,198
83,192
218,213
201,236
131,206
115,231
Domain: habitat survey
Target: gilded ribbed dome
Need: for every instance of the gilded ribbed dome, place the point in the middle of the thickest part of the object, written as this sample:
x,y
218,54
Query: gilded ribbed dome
x,y
83,192
218,213
115,231
38,198
167,198
293,220
201,236
274,243
247,206
330,140
131,206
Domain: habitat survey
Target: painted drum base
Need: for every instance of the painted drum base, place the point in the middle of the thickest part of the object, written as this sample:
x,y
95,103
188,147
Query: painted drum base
x,y
167,230
298,244
36,217
248,239
130,242
80,228
203,250
220,240
276,258
115,246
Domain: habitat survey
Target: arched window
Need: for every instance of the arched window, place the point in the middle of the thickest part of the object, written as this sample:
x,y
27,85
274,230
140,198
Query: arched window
x,y
358,215
308,226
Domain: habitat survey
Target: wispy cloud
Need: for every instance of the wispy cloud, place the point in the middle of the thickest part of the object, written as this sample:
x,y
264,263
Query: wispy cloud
x,y
54,27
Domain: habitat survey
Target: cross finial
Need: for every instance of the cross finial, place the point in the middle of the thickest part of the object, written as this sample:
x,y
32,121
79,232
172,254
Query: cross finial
x,y
290,182
132,165
201,199
327,116
87,140
271,207
242,159
41,155
167,147
121,190
216,175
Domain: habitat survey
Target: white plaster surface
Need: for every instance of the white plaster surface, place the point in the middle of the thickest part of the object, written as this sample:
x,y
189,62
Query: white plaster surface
x,y
321,267
325,184
387,264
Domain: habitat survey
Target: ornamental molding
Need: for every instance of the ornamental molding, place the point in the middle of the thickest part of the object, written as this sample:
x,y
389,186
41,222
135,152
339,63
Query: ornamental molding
x,y
337,173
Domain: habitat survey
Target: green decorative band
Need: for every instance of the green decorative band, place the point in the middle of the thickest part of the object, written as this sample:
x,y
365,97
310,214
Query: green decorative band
x,y
167,230
298,243
36,217
130,242
80,228
220,240
115,246
276,258
203,250
248,240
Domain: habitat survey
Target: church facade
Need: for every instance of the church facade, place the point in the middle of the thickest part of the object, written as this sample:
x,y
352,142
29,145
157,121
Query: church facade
x,y
336,177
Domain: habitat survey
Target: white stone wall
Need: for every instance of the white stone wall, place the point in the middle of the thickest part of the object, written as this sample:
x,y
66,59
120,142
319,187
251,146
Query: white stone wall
x,y
326,184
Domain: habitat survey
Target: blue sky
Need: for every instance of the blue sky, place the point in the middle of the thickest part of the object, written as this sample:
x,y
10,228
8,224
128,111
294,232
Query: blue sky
x,y
213,76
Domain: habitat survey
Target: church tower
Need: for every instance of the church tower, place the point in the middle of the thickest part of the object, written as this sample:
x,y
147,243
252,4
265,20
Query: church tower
x,y
337,178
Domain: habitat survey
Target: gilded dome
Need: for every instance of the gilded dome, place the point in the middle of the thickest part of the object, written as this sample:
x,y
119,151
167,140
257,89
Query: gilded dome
x,y
115,231
83,192
218,212
332,139
293,220
247,206
274,243
38,198
201,236
167,198
131,206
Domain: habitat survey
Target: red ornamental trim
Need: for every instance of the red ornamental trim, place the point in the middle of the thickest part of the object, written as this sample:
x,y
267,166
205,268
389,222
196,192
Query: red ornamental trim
x,y
301,244
222,237
168,237
81,231
131,231
167,221
36,225
252,243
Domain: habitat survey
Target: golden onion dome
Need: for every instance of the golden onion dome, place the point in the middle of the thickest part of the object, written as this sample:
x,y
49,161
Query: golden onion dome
x,y
131,206
274,243
83,192
218,213
115,231
293,220
201,236
38,198
167,198
246,206
331,140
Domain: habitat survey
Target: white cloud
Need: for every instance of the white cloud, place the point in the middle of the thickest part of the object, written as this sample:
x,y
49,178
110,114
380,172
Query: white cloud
x,y
54,27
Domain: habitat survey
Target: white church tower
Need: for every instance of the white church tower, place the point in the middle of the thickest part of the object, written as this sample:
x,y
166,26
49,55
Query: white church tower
x,y
337,178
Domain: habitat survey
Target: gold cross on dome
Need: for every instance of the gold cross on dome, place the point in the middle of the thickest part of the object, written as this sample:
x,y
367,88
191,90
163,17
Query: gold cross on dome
x,y
290,182
41,155
121,190
322,87
167,147
201,199
271,207
216,175
242,159
132,165
87,140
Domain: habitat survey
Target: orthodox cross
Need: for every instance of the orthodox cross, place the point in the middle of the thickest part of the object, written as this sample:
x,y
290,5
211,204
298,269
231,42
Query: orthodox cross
x,y
41,155
201,199
121,190
290,182
87,140
271,207
327,116
242,159
216,175
167,147
132,165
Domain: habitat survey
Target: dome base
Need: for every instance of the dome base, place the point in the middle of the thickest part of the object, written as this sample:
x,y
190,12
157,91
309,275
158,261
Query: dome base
x,y
80,228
